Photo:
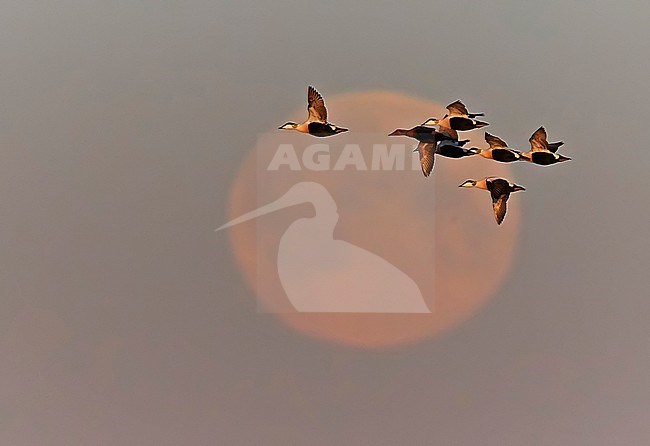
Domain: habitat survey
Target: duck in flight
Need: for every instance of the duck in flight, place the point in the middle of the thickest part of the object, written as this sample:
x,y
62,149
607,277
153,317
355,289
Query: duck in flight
x,y
316,124
433,142
448,149
423,134
458,118
498,150
500,190
543,152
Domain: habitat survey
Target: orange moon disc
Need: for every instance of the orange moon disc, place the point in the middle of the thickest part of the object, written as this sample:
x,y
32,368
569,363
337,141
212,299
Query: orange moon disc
x,y
442,236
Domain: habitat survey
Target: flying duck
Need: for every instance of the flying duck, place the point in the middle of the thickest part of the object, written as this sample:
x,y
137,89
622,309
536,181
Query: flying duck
x,y
500,190
449,149
316,124
458,118
498,150
543,152
429,139
423,134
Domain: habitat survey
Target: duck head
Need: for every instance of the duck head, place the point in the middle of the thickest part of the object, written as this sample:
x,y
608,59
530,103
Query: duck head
x,y
468,183
288,126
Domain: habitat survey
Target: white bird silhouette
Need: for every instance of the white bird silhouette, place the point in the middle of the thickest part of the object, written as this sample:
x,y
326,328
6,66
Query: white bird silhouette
x,y
324,275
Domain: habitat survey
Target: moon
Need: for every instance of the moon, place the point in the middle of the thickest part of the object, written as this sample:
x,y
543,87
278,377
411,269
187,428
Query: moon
x,y
444,237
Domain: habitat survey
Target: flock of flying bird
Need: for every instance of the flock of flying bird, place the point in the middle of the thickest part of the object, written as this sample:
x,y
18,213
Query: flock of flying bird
x,y
443,141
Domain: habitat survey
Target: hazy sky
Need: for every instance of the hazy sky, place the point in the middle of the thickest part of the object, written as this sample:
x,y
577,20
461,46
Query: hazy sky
x,y
123,319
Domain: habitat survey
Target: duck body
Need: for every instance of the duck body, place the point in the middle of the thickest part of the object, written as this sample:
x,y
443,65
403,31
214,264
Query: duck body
x,y
500,190
322,130
454,150
316,123
544,158
502,155
463,123
498,150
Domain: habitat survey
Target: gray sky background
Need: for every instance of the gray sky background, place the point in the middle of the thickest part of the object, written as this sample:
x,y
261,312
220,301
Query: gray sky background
x,y
123,319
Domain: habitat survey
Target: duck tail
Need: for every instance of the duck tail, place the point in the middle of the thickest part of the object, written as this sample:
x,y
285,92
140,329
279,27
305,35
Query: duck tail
x,y
480,124
563,158
340,130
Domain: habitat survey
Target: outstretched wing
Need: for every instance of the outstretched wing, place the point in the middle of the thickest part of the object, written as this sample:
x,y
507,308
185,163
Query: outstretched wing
x,y
494,141
426,151
538,140
457,108
499,207
316,106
